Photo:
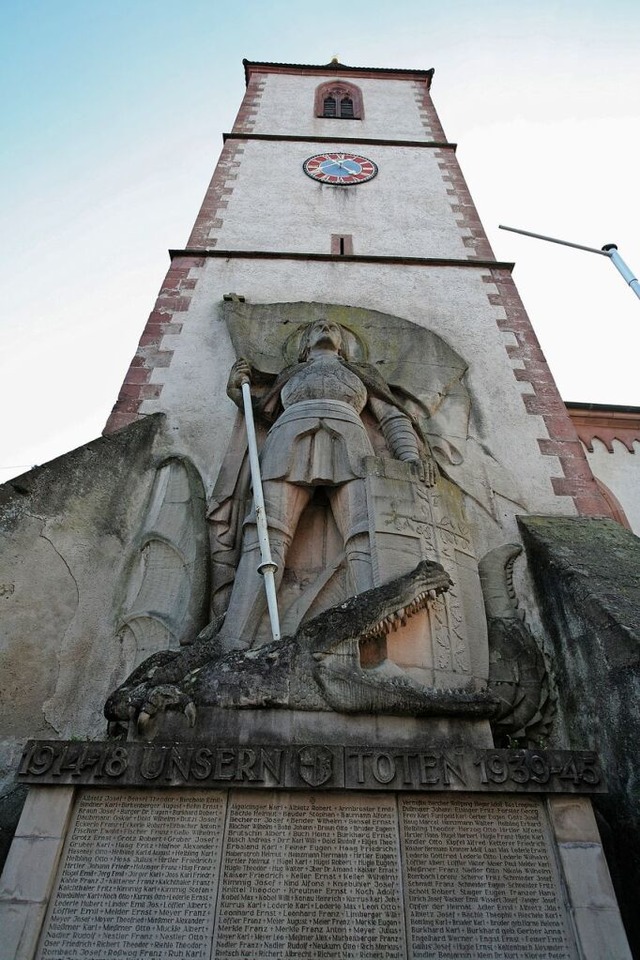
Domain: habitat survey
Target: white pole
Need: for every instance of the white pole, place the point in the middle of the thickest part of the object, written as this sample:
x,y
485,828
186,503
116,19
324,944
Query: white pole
x,y
609,250
267,567
612,251
564,243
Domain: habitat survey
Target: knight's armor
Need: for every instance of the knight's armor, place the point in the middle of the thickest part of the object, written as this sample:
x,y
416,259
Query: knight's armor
x,y
320,438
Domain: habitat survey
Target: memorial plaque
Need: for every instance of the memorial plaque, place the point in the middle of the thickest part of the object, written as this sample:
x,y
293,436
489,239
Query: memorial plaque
x,y
480,881
215,766
273,874
315,877
138,878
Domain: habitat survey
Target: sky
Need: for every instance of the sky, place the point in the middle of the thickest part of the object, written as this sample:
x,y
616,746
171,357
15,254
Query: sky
x,y
111,125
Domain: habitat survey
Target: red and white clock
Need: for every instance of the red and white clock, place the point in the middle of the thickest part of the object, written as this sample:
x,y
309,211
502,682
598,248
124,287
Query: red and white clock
x,y
340,169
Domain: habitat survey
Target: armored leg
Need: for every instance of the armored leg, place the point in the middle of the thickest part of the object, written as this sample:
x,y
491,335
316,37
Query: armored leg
x,y
349,508
284,503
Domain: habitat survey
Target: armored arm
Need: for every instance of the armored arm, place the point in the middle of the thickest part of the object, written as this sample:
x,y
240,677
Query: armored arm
x,y
397,431
401,438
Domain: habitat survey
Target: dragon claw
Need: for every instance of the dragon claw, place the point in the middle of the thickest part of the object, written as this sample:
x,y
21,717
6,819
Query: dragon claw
x,y
143,721
163,698
190,713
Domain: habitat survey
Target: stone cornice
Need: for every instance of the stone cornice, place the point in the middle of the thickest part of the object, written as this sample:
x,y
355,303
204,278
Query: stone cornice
x,y
336,69
371,141
337,258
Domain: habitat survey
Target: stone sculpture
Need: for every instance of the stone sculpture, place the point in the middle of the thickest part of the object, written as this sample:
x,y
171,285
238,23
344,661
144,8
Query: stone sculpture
x,y
317,669
317,440
378,586
166,582
518,674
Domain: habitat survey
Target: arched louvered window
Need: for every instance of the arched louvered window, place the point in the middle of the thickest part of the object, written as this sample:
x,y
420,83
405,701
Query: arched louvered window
x,y
346,108
339,100
330,107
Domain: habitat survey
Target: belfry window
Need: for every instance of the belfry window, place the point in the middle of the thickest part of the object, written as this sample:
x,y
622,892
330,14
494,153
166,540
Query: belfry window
x,y
330,106
346,108
341,101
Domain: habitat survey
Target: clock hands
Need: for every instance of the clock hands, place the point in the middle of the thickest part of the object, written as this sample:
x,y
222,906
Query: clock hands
x,y
341,163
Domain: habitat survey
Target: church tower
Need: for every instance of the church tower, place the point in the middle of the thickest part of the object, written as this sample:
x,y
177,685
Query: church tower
x,y
334,574
283,220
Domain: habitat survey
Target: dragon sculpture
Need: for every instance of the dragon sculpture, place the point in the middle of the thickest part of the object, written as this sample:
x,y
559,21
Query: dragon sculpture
x,y
316,669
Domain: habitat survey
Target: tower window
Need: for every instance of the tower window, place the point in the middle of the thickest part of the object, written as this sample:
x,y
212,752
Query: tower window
x,y
329,107
346,107
341,101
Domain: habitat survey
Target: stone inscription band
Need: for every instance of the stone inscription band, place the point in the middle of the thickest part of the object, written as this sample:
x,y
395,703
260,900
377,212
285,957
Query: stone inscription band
x,y
311,876
216,766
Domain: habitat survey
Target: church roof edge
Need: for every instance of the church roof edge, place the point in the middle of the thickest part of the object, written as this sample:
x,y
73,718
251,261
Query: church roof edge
x,y
610,408
334,67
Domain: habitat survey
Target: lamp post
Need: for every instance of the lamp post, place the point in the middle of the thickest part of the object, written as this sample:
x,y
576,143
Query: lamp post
x,y
609,250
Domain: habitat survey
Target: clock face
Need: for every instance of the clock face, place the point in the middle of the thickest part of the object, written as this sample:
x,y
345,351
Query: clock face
x,y
340,169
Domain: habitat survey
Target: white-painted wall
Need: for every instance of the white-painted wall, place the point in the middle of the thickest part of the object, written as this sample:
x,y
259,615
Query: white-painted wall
x,y
391,110
620,472
403,211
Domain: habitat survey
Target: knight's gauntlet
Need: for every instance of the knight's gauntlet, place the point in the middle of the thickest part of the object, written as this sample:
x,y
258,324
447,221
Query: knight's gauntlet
x,y
399,434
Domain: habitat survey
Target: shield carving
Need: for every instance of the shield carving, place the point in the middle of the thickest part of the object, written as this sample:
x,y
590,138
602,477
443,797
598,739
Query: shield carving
x,y
315,765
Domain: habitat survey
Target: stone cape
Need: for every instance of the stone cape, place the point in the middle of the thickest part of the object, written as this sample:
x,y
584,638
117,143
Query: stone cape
x,y
401,362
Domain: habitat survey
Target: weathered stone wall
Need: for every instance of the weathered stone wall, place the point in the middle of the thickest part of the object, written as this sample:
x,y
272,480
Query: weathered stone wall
x,y
587,574
65,528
